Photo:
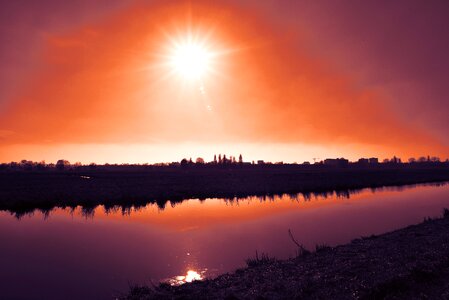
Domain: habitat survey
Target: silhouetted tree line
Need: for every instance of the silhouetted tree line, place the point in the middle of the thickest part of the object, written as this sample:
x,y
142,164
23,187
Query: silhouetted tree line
x,y
223,160
218,160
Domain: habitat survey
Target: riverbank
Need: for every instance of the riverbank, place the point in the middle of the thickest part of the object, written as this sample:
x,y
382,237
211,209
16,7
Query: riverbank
x,y
24,191
409,263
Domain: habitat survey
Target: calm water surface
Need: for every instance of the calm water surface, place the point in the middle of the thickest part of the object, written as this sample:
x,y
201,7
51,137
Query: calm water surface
x,y
73,255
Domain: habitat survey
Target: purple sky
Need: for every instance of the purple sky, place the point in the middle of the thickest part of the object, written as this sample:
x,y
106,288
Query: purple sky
x,y
400,47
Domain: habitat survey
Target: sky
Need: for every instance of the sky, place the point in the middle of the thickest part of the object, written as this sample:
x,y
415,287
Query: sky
x,y
292,81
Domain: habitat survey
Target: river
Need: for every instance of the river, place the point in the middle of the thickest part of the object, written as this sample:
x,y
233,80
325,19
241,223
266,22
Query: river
x,y
97,254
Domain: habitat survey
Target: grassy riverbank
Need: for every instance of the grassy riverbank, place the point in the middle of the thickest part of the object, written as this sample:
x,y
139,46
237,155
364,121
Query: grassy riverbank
x,y
410,263
25,191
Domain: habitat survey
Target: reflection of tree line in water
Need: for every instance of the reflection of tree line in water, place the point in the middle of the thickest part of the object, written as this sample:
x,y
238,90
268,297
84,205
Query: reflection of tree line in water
x,y
127,209
26,191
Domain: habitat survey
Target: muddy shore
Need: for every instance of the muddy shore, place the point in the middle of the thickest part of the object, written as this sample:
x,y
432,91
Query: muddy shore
x,y
409,263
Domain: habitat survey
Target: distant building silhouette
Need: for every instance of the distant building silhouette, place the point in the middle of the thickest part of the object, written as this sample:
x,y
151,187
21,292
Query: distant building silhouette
x,y
368,161
336,162
363,161
373,160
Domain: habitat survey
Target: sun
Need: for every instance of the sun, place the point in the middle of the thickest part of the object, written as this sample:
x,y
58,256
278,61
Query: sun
x,y
191,60
194,56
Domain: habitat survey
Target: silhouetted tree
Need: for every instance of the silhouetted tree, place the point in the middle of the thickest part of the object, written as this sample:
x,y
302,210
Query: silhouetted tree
x,y
240,159
41,165
26,164
422,159
184,162
62,164
200,161
215,158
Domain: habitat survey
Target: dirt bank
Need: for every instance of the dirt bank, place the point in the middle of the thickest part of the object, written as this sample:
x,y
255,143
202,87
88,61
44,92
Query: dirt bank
x,y
410,263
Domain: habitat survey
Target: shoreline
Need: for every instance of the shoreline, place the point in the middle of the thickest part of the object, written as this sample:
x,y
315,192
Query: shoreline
x,y
410,263
126,208
22,192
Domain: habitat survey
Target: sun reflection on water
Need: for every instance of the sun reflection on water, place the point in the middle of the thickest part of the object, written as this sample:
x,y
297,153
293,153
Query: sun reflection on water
x,y
189,277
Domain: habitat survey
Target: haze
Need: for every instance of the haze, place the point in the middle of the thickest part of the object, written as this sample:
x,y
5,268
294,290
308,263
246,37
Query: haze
x,y
289,80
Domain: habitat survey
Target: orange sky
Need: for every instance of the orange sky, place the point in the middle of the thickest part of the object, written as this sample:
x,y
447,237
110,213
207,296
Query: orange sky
x,y
100,91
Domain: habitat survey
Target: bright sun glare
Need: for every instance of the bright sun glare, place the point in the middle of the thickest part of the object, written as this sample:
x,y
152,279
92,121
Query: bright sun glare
x,y
189,277
191,60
